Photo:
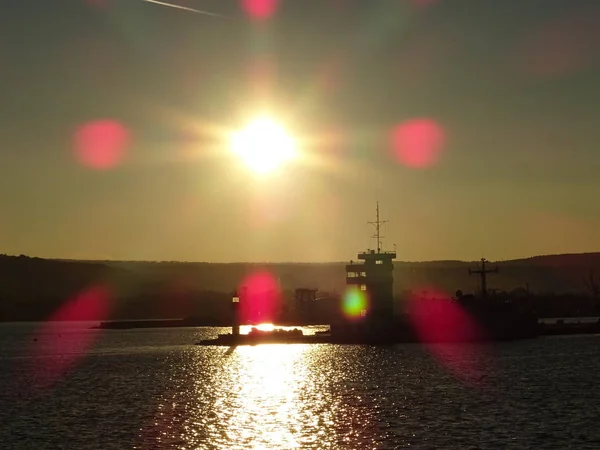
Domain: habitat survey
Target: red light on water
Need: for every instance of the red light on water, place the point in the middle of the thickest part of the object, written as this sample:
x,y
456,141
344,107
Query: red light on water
x,y
417,143
101,144
63,344
88,305
444,327
260,9
442,320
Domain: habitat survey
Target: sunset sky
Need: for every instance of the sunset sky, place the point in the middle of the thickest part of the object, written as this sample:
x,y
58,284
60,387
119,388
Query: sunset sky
x,y
502,96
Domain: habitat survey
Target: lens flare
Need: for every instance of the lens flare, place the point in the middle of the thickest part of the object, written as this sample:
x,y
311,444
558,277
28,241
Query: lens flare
x,y
445,328
60,349
260,9
101,144
260,298
354,303
418,143
263,145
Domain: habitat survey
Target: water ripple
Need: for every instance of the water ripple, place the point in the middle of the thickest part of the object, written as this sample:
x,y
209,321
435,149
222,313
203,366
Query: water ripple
x,y
149,389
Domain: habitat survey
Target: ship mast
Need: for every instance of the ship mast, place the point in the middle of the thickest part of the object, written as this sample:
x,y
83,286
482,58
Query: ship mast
x,y
483,273
377,225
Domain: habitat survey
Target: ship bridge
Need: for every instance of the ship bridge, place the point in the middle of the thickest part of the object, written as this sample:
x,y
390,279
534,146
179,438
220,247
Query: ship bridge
x,y
374,275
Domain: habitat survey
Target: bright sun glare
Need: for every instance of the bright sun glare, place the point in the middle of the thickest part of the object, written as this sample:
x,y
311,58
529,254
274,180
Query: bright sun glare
x,y
263,145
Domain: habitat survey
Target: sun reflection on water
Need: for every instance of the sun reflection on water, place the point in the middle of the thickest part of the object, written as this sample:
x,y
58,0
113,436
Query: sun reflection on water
x,y
270,393
279,396
245,329
260,405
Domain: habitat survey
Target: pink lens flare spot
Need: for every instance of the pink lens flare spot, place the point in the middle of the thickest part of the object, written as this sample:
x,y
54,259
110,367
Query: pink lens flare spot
x,y
101,144
259,297
442,320
59,343
444,327
260,9
90,304
418,143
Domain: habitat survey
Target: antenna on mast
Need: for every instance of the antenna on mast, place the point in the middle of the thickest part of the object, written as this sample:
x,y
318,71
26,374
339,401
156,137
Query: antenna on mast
x,y
377,225
483,273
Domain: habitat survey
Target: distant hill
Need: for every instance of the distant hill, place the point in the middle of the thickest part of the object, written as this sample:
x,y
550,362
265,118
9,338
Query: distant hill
x,y
23,275
38,285
564,260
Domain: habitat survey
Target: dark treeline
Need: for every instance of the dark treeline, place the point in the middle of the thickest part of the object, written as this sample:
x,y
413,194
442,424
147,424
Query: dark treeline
x,y
38,289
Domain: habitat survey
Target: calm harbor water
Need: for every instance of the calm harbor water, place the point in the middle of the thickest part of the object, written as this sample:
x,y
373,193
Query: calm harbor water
x,y
65,386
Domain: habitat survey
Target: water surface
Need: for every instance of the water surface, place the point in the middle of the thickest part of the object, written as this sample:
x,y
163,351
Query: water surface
x,y
149,388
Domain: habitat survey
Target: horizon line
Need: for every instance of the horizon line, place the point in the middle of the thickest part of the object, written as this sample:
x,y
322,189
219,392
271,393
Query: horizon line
x,y
100,260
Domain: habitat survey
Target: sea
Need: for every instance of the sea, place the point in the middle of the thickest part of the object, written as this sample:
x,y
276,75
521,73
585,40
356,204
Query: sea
x,y
67,386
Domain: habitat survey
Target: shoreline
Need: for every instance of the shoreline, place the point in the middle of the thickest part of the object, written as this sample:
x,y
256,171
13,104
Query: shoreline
x,y
546,326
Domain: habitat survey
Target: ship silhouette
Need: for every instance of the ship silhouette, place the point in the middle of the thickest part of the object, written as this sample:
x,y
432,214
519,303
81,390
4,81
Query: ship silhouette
x,y
372,319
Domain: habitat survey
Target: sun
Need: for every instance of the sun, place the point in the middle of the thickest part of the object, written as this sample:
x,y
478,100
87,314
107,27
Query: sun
x,y
263,145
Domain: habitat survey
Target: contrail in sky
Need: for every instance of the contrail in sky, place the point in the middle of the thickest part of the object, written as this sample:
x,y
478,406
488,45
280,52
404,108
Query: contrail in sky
x,y
185,8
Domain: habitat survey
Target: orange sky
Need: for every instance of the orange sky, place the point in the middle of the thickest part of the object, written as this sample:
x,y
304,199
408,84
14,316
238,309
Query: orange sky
x,y
506,167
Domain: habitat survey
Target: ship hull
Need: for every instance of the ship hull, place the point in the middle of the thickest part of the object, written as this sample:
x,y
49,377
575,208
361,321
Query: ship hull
x,y
225,341
490,329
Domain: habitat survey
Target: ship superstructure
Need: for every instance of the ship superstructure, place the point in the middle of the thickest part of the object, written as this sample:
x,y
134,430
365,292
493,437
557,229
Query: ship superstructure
x,y
374,277
371,281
